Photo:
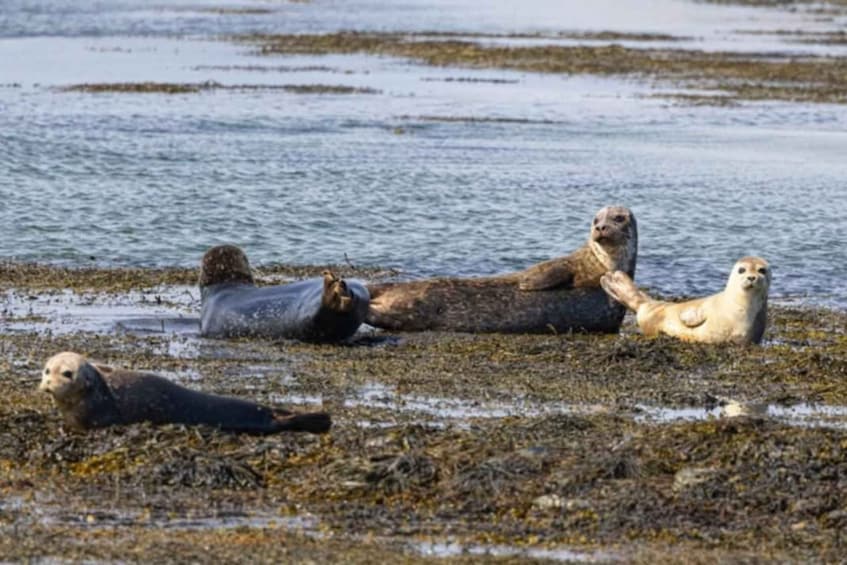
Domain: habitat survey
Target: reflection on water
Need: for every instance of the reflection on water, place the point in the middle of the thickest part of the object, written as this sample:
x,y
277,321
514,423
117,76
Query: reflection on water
x,y
454,549
802,415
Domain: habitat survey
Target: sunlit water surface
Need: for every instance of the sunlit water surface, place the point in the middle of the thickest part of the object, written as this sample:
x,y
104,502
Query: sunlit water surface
x,y
428,175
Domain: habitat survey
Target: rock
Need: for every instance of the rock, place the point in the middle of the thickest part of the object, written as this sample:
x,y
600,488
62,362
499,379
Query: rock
x,y
689,477
548,501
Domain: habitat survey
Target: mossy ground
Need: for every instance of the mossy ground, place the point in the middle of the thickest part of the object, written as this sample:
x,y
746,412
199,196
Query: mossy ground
x,y
395,472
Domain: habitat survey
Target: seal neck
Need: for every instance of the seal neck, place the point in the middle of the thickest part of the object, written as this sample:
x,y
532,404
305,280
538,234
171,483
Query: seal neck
x,y
750,300
208,290
619,258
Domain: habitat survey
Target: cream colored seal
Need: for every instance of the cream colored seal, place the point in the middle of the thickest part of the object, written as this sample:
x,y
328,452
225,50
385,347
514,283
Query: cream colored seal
x,y
738,314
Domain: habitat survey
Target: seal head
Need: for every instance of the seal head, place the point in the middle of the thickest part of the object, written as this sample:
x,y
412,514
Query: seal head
x,y
79,391
614,238
225,264
62,378
750,275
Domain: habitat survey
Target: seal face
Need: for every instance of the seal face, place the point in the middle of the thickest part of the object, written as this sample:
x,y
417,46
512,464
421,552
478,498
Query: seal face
x,y
559,295
737,314
321,310
95,396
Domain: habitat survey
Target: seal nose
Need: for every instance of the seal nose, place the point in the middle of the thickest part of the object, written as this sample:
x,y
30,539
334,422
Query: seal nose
x,y
751,278
602,228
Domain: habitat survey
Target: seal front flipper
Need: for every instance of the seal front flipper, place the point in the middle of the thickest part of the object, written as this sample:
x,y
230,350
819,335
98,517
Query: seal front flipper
x,y
547,276
619,286
692,317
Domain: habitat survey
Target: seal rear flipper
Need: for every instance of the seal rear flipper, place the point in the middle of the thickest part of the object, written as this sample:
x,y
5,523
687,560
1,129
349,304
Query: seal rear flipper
x,y
619,286
336,295
312,422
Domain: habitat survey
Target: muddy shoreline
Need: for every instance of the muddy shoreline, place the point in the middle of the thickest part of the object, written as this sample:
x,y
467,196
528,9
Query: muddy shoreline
x,y
536,447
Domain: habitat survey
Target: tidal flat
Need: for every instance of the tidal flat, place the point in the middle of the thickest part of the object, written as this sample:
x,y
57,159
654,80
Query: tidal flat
x,y
447,446
737,76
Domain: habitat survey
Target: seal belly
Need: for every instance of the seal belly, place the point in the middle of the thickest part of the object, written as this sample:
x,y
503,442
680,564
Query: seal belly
x,y
296,310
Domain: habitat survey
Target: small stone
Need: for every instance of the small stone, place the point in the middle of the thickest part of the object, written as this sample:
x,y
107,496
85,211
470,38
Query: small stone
x,y
692,476
548,501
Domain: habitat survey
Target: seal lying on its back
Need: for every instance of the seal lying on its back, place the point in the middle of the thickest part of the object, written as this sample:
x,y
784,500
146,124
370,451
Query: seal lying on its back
x,y
738,314
321,310
96,396
558,295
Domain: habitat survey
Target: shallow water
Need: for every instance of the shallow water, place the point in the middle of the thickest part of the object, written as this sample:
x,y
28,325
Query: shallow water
x,y
382,179
453,549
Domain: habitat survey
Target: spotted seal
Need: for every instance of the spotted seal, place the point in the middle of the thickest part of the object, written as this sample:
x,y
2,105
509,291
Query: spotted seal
x,y
318,310
95,396
559,295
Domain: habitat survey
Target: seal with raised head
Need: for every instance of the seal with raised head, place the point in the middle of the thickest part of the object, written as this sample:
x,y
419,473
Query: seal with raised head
x,y
95,396
559,295
319,310
738,314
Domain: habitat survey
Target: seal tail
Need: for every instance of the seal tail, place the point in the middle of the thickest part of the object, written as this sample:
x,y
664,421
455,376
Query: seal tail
x,y
312,422
619,286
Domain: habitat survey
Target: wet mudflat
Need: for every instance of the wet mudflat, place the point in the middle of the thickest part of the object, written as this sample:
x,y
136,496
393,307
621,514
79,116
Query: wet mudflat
x,y
444,445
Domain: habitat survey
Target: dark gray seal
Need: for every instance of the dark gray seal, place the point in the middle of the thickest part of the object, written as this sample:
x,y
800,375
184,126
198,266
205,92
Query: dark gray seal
x,y
95,396
317,310
559,295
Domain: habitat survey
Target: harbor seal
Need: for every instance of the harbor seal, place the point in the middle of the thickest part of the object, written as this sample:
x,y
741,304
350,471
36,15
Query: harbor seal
x,y
739,314
317,310
95,396
559,295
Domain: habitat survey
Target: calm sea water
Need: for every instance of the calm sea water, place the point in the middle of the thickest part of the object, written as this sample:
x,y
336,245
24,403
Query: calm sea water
x,y
430,175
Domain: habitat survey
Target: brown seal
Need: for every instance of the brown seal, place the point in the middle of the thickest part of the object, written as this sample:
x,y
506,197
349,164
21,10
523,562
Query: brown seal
x,y
737,314
96,396
558,295
321,310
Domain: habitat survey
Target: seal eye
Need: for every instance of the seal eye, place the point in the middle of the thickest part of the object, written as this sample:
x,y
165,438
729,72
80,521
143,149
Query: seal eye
x,y
763,271
46,371
68,374
619,219
596,221
741,270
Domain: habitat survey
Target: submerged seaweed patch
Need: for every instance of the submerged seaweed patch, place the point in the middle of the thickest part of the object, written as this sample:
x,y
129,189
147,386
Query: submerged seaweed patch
x,y
740,76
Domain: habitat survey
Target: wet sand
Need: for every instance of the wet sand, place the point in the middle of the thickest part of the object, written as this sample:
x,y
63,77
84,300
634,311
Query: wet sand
x,y
562,447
